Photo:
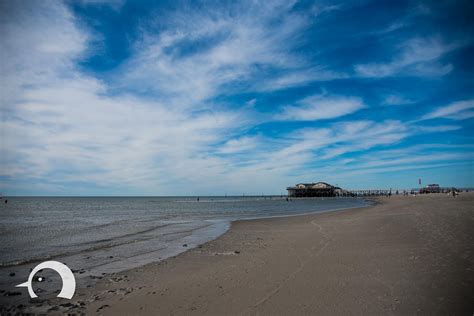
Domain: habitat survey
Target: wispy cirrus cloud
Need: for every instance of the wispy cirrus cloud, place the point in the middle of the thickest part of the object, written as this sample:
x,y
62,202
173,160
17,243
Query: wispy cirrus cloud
x,y
320,108
202,53
239,145
61,125
459,110
352,136
394,99
39,42
298,78
338,153
417,57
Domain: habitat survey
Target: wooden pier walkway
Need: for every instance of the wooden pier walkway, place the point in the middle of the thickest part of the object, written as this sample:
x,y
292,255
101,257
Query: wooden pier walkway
x,y
367,193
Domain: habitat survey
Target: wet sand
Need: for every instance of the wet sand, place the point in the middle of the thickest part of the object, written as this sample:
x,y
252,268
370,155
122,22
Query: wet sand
x,y
405,255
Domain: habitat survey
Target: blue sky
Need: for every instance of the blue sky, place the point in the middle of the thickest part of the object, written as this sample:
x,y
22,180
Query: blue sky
x,y
209,98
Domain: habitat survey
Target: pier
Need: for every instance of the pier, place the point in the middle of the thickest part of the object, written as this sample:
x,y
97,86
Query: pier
x,y
368,193
323,189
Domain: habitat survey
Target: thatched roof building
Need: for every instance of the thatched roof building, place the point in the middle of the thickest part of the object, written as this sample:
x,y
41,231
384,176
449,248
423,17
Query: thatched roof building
x,y
318,189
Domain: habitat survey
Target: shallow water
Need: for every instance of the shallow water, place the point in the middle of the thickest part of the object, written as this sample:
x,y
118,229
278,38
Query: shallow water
x,y
98,235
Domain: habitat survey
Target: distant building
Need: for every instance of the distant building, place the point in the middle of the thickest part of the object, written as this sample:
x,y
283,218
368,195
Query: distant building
x,y
431,188
318,189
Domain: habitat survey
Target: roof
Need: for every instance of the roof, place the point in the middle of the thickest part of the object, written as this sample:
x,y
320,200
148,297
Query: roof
x,y
313,185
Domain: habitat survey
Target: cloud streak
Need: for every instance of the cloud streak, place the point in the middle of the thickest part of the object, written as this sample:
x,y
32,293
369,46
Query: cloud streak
x,y
321,108
417,57
460,110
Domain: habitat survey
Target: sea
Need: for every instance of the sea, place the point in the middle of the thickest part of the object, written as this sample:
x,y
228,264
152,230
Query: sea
x,y
96,236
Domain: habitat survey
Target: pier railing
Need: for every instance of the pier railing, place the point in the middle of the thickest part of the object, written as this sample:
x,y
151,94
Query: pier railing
x,y
403,192
367,192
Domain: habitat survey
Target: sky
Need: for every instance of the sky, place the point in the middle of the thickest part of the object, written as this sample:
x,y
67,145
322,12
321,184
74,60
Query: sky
x,y
234,97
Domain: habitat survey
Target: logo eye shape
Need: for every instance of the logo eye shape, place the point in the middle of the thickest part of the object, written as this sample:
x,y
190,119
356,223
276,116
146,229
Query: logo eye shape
x,y
69,282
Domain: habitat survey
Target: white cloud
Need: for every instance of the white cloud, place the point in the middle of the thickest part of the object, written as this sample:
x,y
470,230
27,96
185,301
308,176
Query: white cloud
x,y
319,108
417,57
297,78
394,99
411,159
459,110
114,4
349,137
318,153
230,46
61,125
239,145
395,26
40,42
438,128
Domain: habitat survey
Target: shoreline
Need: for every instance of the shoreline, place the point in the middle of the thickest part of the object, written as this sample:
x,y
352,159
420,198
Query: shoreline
x,y
259,265
202,232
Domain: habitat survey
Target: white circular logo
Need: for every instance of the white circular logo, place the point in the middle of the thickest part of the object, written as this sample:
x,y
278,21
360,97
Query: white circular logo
x,y
69,282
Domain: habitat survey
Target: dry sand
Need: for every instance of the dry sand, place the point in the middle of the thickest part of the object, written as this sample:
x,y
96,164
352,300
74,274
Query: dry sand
x,y
406,255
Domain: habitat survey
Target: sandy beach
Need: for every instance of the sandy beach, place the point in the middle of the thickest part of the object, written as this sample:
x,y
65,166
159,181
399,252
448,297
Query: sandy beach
x,y
405,255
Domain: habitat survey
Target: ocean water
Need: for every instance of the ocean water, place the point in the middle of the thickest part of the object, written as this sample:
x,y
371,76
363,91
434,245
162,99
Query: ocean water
x,y
99,235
